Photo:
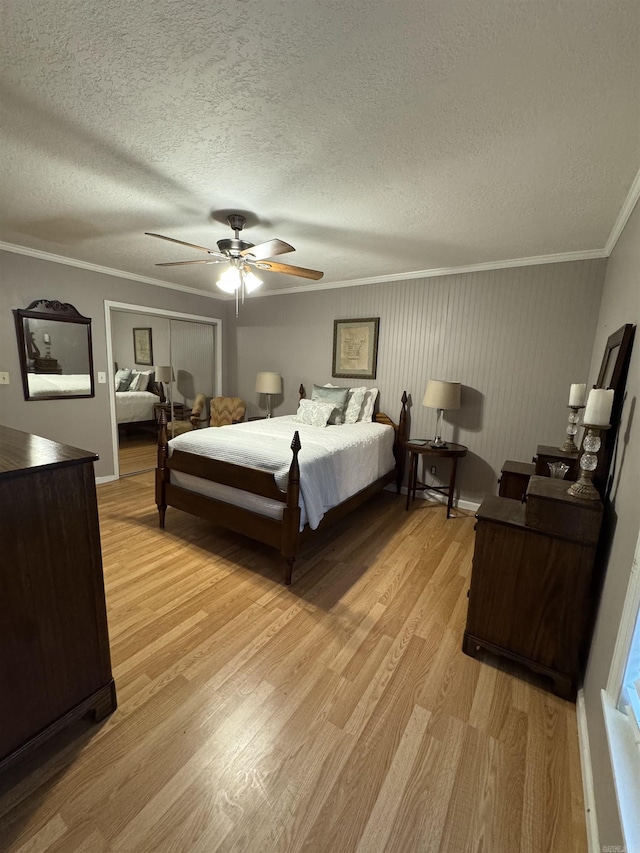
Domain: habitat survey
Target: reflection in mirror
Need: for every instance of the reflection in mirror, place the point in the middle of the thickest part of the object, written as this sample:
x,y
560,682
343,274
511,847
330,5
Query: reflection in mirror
x,y
54,344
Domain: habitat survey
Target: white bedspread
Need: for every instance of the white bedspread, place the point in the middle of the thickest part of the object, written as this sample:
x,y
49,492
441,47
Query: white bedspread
x,y
134,406
336,462
47,384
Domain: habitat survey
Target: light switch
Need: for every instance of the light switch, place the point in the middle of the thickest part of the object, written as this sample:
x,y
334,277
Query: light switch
x,y
4,377
102,378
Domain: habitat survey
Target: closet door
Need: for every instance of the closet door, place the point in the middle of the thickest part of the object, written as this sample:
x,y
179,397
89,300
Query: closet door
x,y
193,360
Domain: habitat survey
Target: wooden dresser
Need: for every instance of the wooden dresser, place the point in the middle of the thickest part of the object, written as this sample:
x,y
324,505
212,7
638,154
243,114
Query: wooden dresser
x,y
531,595
54,646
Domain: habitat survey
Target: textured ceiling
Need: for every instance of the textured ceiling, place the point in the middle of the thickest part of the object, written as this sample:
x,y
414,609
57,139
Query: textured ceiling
x,y
378,138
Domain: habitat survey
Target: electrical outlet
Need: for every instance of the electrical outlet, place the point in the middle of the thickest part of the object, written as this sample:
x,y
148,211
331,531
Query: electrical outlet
x,y
102,378
433,469
4,377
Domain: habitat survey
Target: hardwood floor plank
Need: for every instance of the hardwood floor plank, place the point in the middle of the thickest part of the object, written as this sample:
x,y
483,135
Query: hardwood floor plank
x,y
420,817
378,827
45,838
343,817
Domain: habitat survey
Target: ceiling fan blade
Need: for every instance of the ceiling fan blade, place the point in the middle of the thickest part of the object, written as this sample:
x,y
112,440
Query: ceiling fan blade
x,y
190,245
268,250
270,266
181,263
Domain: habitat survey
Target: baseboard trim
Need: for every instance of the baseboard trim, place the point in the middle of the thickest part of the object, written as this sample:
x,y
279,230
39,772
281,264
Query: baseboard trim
x,y
110,478
591,819
435,496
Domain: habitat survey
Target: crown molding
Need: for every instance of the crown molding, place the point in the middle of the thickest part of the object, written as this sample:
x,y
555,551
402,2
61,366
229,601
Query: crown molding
x,y
626,211
562,257
85,265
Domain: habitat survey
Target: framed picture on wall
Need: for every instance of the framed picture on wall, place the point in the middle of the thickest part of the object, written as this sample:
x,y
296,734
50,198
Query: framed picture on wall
x,y
142,346
355,348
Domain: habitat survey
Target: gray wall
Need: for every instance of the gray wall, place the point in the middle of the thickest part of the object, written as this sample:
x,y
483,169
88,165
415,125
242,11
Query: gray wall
x,y
81,423
620,305
122,325
516,339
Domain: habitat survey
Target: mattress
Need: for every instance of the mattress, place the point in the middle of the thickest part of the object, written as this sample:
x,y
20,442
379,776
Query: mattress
x,y
50,384
336,462
134,406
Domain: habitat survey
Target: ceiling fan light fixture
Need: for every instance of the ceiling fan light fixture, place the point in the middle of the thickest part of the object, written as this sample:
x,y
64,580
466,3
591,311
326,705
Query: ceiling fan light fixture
x,y
230,280
252,282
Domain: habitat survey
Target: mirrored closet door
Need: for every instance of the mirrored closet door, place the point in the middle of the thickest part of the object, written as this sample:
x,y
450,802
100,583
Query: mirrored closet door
x,y
161,365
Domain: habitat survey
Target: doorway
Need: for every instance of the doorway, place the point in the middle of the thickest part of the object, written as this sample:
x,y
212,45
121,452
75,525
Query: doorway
x,y
174,356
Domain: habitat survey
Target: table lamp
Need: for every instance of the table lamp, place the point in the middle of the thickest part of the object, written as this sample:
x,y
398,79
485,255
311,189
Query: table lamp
x,y
269,383
441,395
164,374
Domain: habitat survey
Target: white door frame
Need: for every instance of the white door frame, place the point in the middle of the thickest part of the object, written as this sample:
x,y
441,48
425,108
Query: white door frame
x,y
127,307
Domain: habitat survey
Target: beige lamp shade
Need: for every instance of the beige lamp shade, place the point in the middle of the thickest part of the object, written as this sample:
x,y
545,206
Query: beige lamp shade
x,y
165,374
442,395
269,383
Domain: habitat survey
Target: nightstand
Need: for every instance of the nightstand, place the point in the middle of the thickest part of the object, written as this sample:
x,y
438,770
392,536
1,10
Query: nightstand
x,y
422,447
180,411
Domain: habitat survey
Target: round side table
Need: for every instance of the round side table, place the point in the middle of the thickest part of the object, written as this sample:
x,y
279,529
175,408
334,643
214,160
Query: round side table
x,y
422,447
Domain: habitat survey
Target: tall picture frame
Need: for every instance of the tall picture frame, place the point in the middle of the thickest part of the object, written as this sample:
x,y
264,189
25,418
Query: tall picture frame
x,y
355,348
142,346
613,374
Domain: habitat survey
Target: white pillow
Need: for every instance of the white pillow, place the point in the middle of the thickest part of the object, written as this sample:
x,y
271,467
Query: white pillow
x,y
314,412
143,382
122,378
359,401
133,381
138,380
369,402
354,405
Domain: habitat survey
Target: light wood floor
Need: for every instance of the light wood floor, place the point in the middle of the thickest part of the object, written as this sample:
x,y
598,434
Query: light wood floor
x,y
137,451
338,714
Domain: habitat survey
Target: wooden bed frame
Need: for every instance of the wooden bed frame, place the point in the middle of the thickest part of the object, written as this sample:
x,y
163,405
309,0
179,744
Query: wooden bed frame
x,y
284,534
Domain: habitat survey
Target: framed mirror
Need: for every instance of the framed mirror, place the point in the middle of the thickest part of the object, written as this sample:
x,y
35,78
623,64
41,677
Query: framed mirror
x,y
613,374
54,345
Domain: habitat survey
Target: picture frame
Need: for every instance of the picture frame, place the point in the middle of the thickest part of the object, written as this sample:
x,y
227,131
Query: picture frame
x,y
142,346
355,348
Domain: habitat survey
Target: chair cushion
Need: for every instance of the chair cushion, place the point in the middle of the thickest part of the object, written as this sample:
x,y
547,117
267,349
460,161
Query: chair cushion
x,y
226,410
178,427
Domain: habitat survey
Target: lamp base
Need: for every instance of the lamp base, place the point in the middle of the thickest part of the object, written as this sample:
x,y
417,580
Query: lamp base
x,y
438,443
584,490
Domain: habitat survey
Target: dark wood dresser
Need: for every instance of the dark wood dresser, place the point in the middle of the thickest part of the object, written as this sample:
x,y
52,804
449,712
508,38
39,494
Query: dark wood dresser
x,y
54,646
531,591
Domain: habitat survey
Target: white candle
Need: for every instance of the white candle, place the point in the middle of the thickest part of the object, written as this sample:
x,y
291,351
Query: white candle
x,y
599,405
577,395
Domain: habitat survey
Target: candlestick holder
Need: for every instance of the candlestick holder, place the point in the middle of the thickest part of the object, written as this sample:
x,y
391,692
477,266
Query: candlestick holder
x,y
569,445
591,444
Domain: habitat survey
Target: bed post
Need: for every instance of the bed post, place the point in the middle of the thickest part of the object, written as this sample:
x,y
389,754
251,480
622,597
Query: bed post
x,y
162,472
302,393
401,438
291,513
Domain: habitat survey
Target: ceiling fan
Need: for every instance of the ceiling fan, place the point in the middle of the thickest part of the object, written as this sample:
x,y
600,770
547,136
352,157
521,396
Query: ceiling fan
x,y
242,257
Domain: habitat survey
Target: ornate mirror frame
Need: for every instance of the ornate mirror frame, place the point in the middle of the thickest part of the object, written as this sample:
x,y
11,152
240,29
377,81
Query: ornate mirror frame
x,y
32,362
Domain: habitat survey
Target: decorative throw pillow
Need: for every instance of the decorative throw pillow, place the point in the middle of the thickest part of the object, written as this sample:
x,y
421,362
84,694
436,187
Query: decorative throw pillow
x,y
354,405
355,402
367,406
314,412
123,379
336,396
139,380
